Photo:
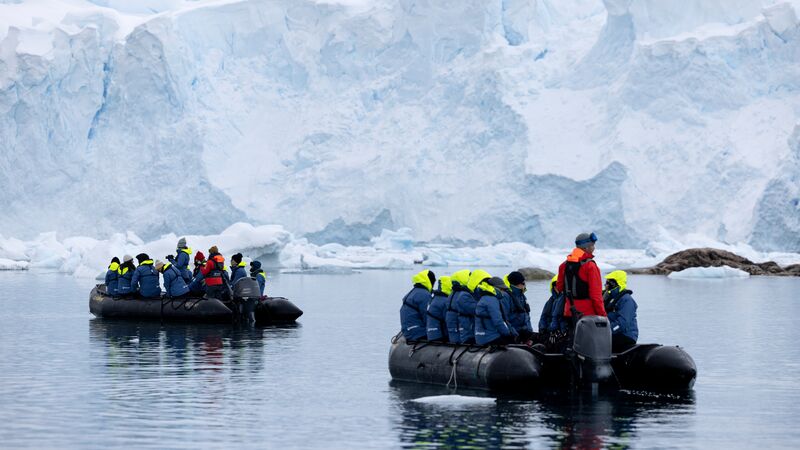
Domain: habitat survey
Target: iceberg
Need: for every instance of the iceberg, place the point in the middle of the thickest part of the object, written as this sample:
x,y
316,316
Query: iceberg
x,y
704,273
455,400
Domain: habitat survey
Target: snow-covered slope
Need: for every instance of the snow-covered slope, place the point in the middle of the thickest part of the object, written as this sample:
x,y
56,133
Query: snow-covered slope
x,y
498,120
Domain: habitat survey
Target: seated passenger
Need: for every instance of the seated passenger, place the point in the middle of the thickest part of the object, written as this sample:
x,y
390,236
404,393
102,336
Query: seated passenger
x,y
124,285
216,278
182,260
459,280
437,309
145,278
520,314
238,268
491,314
258,273
199,262
466,306
621,309
174,285
415,306
112,277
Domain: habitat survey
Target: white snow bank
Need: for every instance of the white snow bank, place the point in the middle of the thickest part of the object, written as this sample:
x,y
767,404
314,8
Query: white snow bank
x,y
8,264
84,257
709,273
455,400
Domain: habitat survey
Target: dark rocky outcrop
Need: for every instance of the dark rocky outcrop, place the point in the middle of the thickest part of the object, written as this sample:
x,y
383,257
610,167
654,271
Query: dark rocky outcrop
x,y
535,274
712,257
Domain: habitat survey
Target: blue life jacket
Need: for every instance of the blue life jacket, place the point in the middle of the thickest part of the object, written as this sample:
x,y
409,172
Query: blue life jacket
x,y
124,285
520,315
557,320
413,312
173,281
621,310
182,263
435,317
491,317
112,279
238,272
145,280
466,317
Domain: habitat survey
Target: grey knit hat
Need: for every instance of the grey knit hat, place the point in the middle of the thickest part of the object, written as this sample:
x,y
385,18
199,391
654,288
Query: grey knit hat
x,y
583,240
127,258
182,242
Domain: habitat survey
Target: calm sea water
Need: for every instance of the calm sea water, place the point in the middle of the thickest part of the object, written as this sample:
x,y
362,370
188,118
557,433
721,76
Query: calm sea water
x,y
69,380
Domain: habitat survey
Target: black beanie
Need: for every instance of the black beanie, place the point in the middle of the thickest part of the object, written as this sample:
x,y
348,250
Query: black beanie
x,y
432,277
515,278
115,260
142,257
237,257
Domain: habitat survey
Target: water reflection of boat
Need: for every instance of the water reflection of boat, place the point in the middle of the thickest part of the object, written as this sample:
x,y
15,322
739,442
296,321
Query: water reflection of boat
x,y
560,420
265,310
181,347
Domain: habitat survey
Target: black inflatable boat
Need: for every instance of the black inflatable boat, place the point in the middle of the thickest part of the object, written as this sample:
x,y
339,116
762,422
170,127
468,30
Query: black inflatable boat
x,y
266,310
649,367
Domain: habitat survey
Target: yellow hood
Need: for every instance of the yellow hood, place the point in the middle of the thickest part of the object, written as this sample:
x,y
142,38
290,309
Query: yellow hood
x,y
422,278
113,267
476,277
461,277
620,277
446,284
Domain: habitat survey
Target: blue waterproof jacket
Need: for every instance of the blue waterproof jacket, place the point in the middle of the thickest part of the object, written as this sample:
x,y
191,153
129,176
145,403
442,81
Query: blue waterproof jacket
x,y
261,277
124,285
182,263
197,286
238,272
415,307
145,280
436,321
452,317
520,314
466,317
174,283
491,315
621,309
112,279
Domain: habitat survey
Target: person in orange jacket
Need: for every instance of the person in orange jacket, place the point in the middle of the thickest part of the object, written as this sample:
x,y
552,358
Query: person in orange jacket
x,y
579,278
215,275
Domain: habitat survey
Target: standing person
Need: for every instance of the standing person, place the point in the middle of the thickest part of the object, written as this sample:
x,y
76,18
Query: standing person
x,y
466,306
520,314
112,277
124,281
215,275
258,273
621,310
437,309
145,278
579,280
460,280
415,306
182,260
491,314
174,284
238,268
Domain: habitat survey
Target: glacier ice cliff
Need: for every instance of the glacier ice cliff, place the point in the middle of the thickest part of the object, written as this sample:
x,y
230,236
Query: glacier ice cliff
x,y
489,121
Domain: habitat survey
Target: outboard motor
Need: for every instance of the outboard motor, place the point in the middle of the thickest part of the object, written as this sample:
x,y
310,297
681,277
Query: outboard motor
x,y
592,349
246,294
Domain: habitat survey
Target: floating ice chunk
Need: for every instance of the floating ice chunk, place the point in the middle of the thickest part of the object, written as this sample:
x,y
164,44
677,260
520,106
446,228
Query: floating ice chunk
x,y
455,400
394,240
9,264
709,272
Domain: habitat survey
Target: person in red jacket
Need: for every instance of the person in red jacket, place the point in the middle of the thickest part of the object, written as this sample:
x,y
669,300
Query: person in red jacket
x,y
215,275
579,278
